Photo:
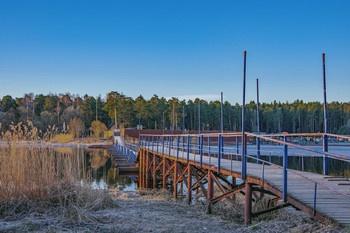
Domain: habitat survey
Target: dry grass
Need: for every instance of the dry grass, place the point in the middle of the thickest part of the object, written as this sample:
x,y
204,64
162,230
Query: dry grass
x,y
63,138
36,179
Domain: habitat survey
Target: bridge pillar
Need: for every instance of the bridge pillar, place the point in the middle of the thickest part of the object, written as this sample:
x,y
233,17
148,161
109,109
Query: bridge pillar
x,y
140,168
210,192
146,169
248,204
189,184
164,171
234,185
175,180
154,171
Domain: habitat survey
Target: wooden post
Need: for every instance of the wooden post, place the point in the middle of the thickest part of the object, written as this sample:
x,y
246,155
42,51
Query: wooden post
x,y
248,204
146,169
154,171
182,187
175,180
140,168
234,185
210,191
164,171
189,184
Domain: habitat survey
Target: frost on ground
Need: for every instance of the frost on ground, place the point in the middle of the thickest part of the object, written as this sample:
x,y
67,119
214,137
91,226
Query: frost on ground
x,y
157,211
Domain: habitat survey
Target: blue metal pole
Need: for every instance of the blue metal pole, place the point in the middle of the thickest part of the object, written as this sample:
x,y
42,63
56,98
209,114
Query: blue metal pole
x,y
201,150
163,144
178,142
157,143
219,153
258,121
315,198
222,112
244,161
188,147
237,148
285,172
199,117
152,143
169,144
209,150
325,137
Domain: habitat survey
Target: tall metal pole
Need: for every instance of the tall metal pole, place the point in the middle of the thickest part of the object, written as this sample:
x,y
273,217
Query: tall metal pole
x,y
183,119
199,117
222,113
257,120
163,123
139,125
244,160
325,137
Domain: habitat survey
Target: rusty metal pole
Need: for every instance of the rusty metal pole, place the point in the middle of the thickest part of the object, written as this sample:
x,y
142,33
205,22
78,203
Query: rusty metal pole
x,y
154,171
164,171
189,184
175,180
140,168
248,204
210,192
147,163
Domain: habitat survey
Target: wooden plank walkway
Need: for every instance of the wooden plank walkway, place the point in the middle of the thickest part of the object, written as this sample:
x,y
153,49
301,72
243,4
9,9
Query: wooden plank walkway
x,y
122,164
329,203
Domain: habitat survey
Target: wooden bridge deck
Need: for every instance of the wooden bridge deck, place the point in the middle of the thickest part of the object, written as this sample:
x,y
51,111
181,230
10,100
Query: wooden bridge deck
x,y
300,191
122,164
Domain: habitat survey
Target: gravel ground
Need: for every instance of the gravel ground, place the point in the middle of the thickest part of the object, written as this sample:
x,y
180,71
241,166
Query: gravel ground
x,y
150,211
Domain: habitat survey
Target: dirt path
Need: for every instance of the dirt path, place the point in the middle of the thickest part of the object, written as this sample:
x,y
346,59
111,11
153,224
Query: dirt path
x,y
147,211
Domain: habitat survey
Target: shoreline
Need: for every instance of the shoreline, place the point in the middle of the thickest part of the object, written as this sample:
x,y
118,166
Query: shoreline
x,y
157,211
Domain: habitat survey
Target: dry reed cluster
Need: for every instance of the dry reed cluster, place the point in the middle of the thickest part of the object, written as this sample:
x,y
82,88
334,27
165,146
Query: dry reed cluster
x,y
41,179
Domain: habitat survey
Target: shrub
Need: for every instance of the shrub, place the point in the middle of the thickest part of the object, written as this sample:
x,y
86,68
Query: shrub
x,y
76,127
98,128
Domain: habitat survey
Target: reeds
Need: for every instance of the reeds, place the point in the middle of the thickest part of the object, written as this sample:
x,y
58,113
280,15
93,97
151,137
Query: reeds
x,y
34,178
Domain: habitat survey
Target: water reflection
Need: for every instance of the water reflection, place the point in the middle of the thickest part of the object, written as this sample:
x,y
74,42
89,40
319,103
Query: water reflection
x,y
98,168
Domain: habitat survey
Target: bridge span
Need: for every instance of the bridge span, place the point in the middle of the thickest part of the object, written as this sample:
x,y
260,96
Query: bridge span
x,y
209,163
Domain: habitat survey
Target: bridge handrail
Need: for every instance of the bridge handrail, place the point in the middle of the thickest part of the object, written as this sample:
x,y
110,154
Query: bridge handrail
x,y
333,155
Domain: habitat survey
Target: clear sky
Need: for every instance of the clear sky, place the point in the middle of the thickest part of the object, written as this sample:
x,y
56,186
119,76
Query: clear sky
x,y
176,48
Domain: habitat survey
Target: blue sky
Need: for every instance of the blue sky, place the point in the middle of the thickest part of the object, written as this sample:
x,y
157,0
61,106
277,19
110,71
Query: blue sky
x,y
175,48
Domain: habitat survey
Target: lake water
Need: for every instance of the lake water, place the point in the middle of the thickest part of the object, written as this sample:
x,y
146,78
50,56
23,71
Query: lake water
x,y
98,167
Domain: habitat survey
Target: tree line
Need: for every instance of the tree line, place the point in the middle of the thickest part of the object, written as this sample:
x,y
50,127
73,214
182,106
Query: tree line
x,y
275,117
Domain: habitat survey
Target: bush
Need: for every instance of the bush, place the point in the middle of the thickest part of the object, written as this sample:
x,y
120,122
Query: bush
x,y
98,128
76,127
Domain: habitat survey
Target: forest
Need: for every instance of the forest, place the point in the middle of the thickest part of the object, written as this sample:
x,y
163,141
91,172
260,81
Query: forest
x,y
59,109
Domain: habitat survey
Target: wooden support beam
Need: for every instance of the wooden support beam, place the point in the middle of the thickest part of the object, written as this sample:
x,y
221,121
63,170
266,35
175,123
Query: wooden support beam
x,y
257,189
189,184
146,169
210,193
154,171
140,168
199,180
164,170
248,204
175,178
221,187
270,209
229,193
200,183
169,169
182,172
